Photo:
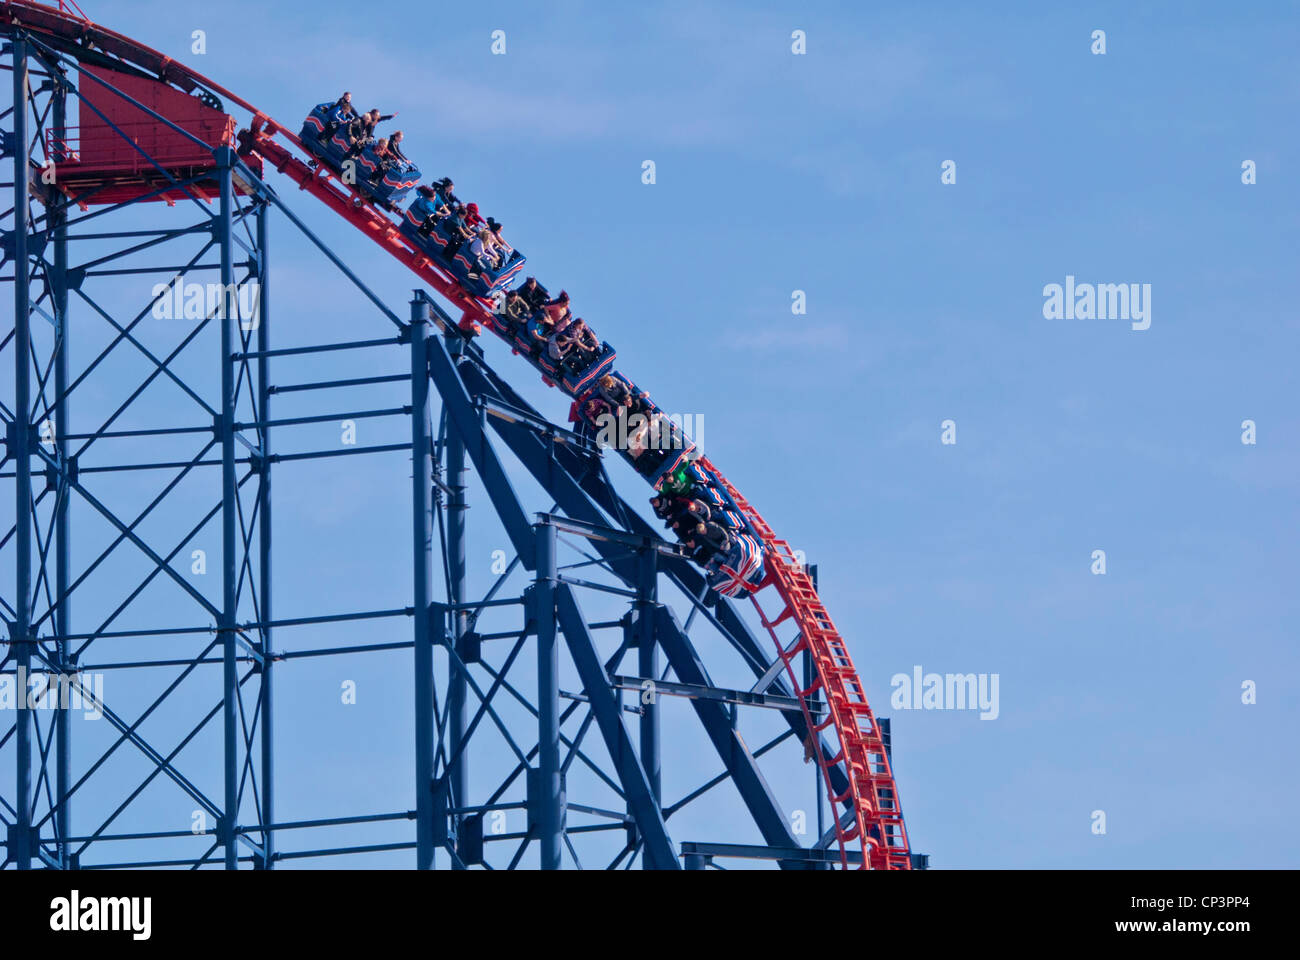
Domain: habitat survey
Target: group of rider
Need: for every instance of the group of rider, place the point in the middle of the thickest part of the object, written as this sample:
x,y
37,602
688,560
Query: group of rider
x,y
467,233
548,329
546,326
692,521
359,131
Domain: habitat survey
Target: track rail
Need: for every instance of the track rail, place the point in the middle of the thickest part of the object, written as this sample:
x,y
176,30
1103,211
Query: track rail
x,y
877,826
872,822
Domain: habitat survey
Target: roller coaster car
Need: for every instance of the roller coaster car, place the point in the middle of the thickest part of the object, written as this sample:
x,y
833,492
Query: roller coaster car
x,y
720,508
513,320
530,337
480,281
739,570
421,226
518,305
387,187
657,447
582,370
688,481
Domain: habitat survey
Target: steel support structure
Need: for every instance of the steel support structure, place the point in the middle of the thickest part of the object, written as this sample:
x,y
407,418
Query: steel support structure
x,y
59,248
565,708
19,448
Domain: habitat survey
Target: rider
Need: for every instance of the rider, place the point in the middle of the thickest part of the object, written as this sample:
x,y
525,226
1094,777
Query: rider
x,y
337,114
384,156
585,342
557,308
480,253
708,538
362,130
458,231
506,251
395,148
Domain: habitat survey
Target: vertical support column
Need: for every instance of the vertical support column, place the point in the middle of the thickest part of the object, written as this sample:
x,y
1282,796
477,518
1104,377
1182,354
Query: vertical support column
x,y
809,674
648,666
62,526
422,543
458,686
229,512
267,813
549,815
20,448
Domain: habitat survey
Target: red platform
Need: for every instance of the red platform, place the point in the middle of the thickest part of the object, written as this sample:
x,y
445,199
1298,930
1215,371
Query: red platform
x,y
99,164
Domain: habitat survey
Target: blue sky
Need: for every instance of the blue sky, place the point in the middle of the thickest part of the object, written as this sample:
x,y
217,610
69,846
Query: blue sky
x,y
821,173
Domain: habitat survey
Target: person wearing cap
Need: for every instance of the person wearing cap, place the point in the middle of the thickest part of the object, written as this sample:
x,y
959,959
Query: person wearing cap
x,y
472,218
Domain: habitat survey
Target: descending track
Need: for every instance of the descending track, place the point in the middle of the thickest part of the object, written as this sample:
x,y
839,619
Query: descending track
x,y
855,767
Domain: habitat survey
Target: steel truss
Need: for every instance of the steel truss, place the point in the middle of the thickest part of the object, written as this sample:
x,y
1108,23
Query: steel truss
x,y
537,740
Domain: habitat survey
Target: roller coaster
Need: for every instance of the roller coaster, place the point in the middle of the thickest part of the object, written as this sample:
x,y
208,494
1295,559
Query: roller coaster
x,y
157,140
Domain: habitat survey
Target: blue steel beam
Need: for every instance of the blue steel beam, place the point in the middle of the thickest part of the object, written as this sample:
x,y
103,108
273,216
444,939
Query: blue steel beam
x,y
659,852
549,792
19,448
541,460
647,598
465,418
229,506
454,557
716,720
265,611
62,533
422,544
792,855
